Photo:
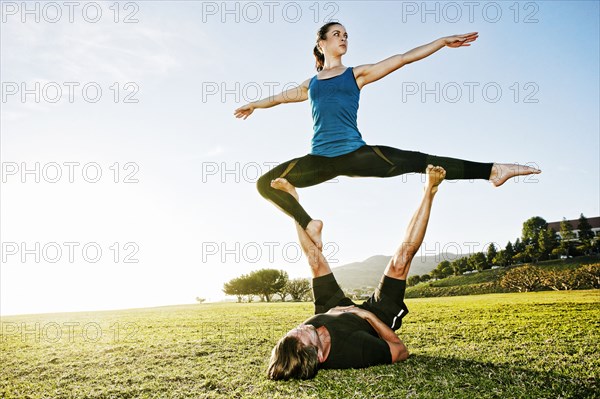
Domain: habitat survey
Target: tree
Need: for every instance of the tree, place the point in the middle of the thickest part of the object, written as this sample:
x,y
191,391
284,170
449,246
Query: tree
x,y
500,258
547,242
532,251
503,258
477,261
200,300
282,285
445,268
530,235
519,249
460,265
557,252
251,287
413,280
585,228
491,254
235,287
519,257
298,289
596,245
425,278
586,235
266,282
567,237
531,229
509,253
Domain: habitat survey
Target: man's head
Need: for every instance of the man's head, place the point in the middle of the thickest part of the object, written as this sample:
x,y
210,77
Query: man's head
x,y
295,355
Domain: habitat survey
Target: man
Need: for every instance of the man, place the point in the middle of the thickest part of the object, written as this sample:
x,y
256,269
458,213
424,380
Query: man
x,y
342,334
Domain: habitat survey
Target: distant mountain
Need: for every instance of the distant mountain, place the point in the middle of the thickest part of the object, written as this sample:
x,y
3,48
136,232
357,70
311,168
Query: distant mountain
x,y
368,272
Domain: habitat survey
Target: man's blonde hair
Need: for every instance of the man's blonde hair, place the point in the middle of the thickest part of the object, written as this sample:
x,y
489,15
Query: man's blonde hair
x,y
291,359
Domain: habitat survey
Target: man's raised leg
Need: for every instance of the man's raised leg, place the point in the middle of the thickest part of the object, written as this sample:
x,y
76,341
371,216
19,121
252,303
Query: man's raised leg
x,y
400,263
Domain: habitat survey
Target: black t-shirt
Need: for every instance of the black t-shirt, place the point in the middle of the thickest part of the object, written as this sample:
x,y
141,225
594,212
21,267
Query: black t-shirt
x,y
354,342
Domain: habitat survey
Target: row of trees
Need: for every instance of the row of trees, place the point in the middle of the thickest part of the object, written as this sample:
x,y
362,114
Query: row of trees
x,y
538,242
266,283
531,278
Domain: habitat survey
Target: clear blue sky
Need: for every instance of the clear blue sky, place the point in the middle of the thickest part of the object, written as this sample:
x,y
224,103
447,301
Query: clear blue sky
x,y
192,64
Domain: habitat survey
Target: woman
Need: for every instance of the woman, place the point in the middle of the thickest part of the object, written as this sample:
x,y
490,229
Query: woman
x,y
337,145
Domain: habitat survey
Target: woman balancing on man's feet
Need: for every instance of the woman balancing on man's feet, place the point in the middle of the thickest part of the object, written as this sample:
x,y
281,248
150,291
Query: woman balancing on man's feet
x,y
342,334
337,145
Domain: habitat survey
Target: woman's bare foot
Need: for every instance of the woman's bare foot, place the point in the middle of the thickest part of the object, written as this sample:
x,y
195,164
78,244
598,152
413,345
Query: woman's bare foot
x,y
314,227
435,176
501,172
284,185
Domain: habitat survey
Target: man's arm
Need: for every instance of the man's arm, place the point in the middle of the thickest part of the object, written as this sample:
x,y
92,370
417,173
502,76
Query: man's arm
x,y
398,350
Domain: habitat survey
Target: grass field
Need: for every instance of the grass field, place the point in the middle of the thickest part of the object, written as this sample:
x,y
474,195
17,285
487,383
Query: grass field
x,y
518,345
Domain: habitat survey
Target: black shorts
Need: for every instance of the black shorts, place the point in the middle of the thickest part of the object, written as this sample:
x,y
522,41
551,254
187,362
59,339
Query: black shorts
x,y
387,302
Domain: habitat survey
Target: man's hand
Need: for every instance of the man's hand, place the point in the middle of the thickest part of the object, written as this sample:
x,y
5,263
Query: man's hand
x,y
362,313
341,309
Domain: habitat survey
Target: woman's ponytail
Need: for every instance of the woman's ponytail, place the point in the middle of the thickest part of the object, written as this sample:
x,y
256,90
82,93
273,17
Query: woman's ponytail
x,y
320,58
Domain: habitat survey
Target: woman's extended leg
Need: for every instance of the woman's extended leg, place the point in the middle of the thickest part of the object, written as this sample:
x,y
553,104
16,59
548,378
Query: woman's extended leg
x,y
317,262
384,161
414,161
305,171
370,161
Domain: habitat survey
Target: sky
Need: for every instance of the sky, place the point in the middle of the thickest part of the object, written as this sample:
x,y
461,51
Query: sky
x,y
127,181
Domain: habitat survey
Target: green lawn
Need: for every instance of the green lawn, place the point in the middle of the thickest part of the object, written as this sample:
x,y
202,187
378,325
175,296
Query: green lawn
x,y
518,345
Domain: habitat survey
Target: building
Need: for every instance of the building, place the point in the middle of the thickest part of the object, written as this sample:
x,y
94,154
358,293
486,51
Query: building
x,y
594,222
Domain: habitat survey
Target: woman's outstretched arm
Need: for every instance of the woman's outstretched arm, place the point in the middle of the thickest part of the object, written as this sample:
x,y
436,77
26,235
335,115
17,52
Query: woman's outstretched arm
x,y
370,73
291,95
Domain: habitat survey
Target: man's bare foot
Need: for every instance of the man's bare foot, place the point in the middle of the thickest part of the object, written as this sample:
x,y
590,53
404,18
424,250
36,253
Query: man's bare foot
x,y
501,172
314,227
284,185
435,176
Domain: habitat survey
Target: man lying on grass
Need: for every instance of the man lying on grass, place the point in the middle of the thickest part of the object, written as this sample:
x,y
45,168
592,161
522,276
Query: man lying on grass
x,y
343,334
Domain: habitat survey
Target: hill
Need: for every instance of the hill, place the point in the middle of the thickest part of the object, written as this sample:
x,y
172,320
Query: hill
x,y
368,272
485,282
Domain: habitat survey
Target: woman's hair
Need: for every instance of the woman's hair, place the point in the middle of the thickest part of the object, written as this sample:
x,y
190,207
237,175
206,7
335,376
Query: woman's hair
x,y
291,359
322,35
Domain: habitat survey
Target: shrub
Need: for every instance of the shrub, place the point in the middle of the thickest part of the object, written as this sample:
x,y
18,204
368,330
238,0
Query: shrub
x,y
588,276
523,279
559,279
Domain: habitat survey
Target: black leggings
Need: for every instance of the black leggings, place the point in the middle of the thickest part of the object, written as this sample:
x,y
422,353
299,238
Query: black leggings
x,y
367,161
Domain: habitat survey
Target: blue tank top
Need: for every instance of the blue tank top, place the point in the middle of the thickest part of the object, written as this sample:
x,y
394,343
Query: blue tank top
x,y
334,103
